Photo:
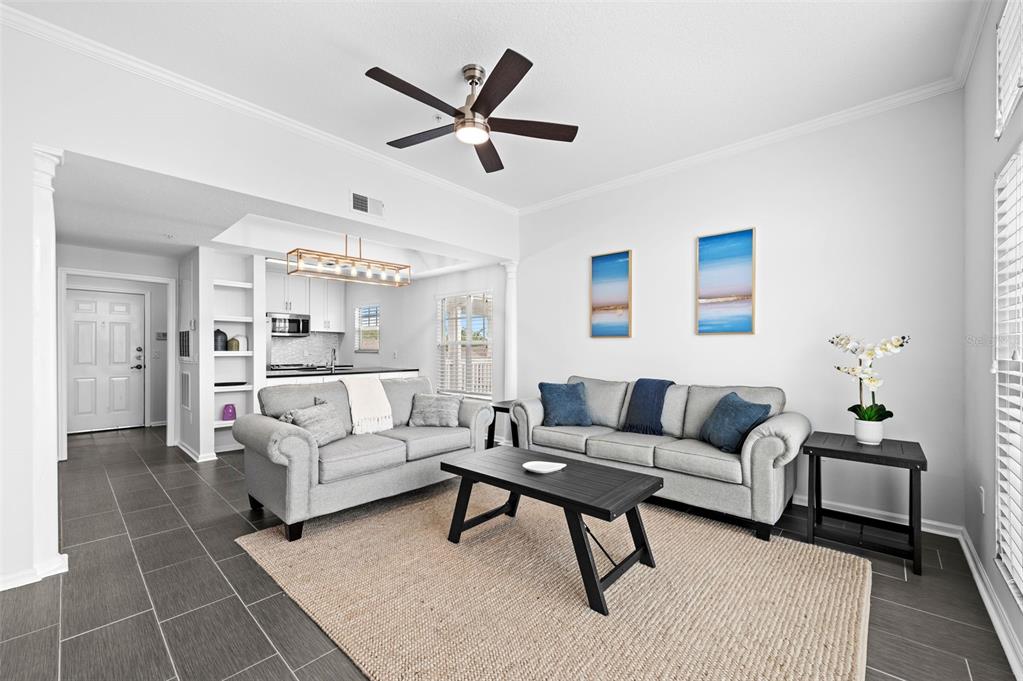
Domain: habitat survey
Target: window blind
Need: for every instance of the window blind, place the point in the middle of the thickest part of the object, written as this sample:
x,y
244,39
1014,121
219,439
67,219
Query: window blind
x,y
1008,63
1007,365
464,351
367,328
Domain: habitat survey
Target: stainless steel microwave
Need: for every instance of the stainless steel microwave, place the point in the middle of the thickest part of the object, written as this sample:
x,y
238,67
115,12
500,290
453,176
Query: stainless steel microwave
x,y
288,324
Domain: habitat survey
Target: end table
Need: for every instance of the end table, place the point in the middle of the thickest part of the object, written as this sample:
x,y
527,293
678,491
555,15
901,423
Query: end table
x,y
892,453
503,407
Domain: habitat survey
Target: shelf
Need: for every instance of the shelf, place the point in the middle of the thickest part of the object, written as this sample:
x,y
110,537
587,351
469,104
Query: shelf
x,y
229,318
223,424
232,388
227,283
232,353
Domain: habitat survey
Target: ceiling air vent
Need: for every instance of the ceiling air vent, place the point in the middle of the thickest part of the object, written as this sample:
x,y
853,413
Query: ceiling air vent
x,y
364,204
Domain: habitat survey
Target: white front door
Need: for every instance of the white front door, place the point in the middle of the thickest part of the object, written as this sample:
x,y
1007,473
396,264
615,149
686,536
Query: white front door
x,y
105,356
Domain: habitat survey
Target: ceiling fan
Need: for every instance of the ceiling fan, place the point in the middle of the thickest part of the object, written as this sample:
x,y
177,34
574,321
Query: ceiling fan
x,y
473,122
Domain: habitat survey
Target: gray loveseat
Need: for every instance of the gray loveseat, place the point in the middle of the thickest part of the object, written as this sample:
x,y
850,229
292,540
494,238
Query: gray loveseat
x,y
296,479
755,483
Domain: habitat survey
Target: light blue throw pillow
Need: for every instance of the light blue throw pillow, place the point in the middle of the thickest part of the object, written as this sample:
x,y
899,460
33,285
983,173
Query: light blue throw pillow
x,y
731,421
564,404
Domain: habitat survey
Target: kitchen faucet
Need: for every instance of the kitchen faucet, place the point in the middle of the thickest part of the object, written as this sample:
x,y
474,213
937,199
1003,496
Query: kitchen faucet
x,y
333,359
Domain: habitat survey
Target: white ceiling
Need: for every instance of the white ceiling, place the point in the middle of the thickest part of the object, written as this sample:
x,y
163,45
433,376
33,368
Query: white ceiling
x,y
648,84
108,205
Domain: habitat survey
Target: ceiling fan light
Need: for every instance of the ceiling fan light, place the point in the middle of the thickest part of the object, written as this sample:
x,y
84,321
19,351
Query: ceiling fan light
x,y
472,131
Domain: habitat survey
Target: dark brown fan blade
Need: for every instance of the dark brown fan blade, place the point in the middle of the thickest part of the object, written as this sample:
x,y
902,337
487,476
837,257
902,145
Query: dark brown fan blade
x,y
545,131
506,75
489,157
424,136
405,88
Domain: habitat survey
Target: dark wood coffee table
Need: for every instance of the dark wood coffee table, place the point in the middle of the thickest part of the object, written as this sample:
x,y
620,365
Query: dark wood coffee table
x,y
580,489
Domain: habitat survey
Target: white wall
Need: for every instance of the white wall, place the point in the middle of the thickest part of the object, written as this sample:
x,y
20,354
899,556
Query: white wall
x,y
859,230
68,94
985,157
105,260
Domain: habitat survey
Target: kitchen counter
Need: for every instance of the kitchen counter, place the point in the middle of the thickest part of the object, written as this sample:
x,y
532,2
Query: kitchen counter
x,y
291,373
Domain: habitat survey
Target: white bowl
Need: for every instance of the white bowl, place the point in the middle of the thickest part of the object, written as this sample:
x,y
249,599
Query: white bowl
x,y
542,466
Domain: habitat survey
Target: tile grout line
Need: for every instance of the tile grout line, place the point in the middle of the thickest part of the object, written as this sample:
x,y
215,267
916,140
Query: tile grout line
x,y
242,671
941,564
934,614
922,645
34,631
60,627
264,598
336,648
233,590
881,671
93,541
969,672
138,566
118,620
182,614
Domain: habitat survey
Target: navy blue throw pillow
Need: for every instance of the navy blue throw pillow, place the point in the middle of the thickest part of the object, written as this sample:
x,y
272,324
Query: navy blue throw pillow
x,y
732,419
564,404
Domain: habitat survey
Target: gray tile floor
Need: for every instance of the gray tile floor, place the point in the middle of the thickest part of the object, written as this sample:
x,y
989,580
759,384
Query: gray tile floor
x,y
158,590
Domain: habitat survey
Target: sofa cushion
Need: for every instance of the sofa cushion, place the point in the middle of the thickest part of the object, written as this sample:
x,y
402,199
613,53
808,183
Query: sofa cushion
x,y
604,399
635,448
674,410
275,400
703,398
731,420
358,455
700,459
570,438
400,393
435,410
322,420
423,441
564,404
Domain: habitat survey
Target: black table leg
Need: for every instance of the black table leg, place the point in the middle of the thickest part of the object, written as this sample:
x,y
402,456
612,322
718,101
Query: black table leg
x,y
811,498
914,520
513,505
818,505
515,432
491,433
639,536
461,505
583,554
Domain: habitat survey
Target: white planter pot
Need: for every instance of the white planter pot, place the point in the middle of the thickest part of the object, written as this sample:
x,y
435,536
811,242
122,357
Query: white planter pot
x,y
868,432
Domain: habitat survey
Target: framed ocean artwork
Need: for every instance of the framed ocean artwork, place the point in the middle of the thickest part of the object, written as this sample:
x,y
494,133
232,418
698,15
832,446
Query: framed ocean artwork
x,y
611,295
726,282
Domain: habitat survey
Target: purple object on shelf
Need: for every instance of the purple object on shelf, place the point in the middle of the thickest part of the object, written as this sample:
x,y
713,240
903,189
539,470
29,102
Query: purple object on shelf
x,y
229,412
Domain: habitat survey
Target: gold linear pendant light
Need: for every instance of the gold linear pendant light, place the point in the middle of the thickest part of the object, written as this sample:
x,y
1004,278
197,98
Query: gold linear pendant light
x,y
344,267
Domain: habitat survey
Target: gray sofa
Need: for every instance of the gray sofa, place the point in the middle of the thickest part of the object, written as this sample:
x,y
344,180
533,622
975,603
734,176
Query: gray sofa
x,y
755,483
296,479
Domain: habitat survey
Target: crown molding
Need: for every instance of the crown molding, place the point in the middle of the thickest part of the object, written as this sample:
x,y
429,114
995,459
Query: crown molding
x,y
971,38
33,26
877,106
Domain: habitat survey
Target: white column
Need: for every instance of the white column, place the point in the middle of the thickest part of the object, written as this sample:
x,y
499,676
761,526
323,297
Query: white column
x,y
47,560
511,330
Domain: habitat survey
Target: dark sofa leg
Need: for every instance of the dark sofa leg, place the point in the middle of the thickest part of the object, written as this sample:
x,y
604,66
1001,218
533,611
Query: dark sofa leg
x,y
293,531
763,531
254,504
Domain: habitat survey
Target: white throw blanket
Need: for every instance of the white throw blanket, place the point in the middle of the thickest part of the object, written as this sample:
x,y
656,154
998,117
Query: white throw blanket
x,y
371,412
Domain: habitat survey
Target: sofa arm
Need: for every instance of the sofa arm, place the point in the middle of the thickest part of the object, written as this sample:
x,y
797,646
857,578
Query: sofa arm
x,y
525,414
476,415
282,443
774,443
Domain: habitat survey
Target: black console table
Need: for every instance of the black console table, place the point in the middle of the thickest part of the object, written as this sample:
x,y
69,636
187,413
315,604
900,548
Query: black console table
x,y
892,453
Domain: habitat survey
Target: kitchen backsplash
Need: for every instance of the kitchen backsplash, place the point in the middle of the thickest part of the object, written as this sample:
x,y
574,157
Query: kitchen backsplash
x,y
312,349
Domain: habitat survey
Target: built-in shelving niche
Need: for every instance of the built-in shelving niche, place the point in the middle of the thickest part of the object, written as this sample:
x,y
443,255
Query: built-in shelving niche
x,y
233,314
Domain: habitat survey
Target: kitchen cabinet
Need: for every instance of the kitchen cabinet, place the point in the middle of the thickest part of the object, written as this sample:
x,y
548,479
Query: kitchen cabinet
x,y
326,305
327,378
285,293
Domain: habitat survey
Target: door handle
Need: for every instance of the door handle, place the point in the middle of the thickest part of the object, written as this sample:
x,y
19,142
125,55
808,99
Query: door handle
x,y
137,366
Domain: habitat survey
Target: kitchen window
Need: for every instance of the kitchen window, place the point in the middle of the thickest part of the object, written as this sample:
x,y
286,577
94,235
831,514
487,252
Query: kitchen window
x,y
464,344
1008,64
367,328
1007,366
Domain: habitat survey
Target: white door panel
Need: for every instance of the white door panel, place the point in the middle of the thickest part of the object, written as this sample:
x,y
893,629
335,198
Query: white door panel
x,y
106,375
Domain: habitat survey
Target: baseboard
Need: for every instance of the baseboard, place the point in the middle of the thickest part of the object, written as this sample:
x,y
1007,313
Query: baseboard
x,y
154,424
932,526
999,619
200,458
53,567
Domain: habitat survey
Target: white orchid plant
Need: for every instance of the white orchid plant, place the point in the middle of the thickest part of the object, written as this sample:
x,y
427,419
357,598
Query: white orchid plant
x,y
864,373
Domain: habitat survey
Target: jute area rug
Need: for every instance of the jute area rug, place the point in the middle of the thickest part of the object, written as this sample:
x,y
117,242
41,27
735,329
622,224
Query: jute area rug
x,y
508,602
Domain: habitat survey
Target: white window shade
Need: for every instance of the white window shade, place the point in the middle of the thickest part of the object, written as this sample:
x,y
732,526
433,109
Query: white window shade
x,y
367,328
1007,365
1008,63
465,362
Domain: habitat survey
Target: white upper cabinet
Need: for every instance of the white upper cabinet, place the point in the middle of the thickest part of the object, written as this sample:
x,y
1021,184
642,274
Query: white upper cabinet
x,y
326,305
285,293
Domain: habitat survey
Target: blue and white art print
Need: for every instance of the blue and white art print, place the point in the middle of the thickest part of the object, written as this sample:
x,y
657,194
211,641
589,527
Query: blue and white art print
x,y
725,275
611,295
